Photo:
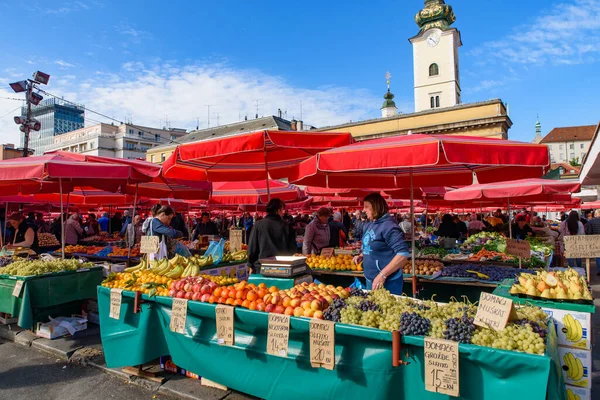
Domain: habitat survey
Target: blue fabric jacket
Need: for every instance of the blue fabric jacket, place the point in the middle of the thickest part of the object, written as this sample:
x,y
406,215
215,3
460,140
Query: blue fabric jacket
x,y
103,222
382,241
159,229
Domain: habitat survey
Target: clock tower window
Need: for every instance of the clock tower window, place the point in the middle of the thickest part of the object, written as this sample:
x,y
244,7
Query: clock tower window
x,y
434,70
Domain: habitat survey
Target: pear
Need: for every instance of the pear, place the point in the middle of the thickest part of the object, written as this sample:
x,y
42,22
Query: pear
x,y
553,292
576,296
532,291
546,294
522,280
574,288
551,280
516,289
587,296
561,294
529,284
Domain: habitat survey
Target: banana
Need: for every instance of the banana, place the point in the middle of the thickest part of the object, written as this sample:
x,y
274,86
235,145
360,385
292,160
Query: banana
x,y
579,330
568,321
579,367
175,273
140,266
572,396
195,270
166,267
568,364
186,271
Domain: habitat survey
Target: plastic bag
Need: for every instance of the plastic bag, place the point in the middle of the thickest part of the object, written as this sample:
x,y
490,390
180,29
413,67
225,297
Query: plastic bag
x,y
182,250
357,284
104,252
215,249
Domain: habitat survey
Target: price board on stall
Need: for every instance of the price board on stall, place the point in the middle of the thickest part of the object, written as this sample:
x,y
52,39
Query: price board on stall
x,y
494,311
116,298
235,240
582,246
441,366
225,329
518,248
149,244
178,315
322,344
278,334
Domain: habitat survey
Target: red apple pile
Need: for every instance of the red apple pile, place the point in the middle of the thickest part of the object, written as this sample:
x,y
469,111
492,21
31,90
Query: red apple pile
x,y
193,288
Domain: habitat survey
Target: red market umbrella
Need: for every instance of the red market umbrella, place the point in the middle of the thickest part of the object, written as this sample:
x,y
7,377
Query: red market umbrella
x,y
518,190
431,160
253,192
250,156
162,188
591,204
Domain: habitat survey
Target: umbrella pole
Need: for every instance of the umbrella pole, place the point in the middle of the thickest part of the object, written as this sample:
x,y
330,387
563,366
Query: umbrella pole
x,y
5,222
132,217
62,221
412,231
267,173
109,219
509,221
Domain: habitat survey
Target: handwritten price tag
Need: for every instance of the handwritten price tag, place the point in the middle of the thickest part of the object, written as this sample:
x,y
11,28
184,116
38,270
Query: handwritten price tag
x,y
149,244
322,344
17,289
582,246
178,315
116,296
518,248
327,252
494,311
278,334
225,331
235,240
441,366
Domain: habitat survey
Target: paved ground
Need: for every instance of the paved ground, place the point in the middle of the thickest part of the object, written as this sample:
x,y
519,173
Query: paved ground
x,y
27,373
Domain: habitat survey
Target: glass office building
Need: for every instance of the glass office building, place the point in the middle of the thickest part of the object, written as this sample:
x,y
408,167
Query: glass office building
x,y
56,117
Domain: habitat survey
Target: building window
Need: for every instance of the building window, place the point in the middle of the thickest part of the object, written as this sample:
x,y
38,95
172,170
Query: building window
x,y
582,145
560,146
91,145
129,145
432,102
157,137
434,70
131,131
437,101
140,133
561,170
162,157
572,156
173,137
152,158
571,146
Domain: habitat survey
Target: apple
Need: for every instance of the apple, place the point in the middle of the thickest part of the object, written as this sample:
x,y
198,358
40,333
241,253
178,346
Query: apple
x,y
180,294
309,313
195,296
188,295
309,298
260,306
179,285
205,297
318,314
279,309
270,307
334,296
205,289
173,292
289,311
298,312
316,305
213,285
196,288
187,287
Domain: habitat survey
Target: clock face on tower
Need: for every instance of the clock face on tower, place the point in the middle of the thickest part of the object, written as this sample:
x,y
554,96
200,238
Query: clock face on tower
x,y
433,39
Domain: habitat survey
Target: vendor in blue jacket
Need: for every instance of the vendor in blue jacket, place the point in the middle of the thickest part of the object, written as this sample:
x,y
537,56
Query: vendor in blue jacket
x,y
384,251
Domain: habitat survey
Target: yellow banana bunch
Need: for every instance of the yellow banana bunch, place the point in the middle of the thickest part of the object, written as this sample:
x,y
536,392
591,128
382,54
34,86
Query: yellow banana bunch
x,y
139,267
164,268
574,366
572,396
574,329
175,273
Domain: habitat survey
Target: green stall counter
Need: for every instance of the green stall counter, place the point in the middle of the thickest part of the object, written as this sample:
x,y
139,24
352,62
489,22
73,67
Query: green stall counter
x,y
46,291
363,357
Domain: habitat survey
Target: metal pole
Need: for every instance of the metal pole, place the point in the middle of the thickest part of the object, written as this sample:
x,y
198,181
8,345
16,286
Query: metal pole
x,y
267,173
62,220
27,125
412,229
509,221
132,218
5,222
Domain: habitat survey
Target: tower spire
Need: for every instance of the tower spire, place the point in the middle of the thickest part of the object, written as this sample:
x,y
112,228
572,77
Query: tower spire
x,y
435,14
538,130
388,109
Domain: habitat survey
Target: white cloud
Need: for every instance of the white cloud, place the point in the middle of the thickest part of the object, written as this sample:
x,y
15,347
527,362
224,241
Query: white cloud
x,y
568,33
135,35
150,93
63,64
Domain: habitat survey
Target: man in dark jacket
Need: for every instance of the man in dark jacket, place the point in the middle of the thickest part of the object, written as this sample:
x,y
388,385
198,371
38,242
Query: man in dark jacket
x,y
205,227
178,223
271,236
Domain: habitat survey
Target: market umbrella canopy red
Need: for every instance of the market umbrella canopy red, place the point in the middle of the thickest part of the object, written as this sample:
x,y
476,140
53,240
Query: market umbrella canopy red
x,y
250,156
162,188
517,190
253,192
433,160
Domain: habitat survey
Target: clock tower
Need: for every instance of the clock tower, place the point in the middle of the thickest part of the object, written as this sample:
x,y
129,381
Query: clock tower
x,y
435,57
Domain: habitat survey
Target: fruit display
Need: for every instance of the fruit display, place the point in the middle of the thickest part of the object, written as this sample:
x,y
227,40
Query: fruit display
x,y
4,261
557,285
70,249
238,256
227,249
39,267
142,281
47,240
432,252
303,300
122,252
451,321
482,238
91,250
423,267
481,272
489,255
341,262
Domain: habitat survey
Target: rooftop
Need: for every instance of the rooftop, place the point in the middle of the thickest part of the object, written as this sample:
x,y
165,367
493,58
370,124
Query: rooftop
x,y
570,134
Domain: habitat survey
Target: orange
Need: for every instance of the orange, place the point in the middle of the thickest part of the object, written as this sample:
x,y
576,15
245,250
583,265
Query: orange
x,y
230,301
238,302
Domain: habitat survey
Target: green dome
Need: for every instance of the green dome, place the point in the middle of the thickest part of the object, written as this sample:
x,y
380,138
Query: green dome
x,y
388,102
435,14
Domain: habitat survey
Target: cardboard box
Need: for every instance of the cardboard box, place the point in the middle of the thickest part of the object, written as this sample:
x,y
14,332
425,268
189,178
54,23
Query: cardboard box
x,y
577,393
578,363
7,319
166,364
579,323
61,326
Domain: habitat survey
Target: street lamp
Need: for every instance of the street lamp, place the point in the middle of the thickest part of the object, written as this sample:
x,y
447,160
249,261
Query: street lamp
x,y
27,122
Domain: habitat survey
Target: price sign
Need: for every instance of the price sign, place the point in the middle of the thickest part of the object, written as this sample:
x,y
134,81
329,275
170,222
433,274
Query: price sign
x,y
518,248
17,289
278,334
225,331
115,303
149,244
235,240
494,311
322,344
327,252
441,366
582,246
178,315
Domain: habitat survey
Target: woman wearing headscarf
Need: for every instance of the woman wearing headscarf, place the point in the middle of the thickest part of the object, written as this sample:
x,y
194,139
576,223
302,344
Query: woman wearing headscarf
x,y
572,226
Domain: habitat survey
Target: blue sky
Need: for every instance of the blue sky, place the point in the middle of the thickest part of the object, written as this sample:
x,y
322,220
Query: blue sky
x,y
152,61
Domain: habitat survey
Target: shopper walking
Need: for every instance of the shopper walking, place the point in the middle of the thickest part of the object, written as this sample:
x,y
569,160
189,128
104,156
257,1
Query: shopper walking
x,y
593,228
572,226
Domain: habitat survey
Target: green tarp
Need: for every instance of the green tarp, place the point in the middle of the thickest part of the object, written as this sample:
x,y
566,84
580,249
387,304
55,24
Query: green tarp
x,y
363,357
504,288
44,291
